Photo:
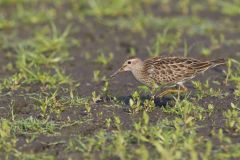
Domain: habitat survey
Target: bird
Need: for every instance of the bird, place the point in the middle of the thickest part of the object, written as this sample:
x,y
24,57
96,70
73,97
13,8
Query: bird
x,y
156,71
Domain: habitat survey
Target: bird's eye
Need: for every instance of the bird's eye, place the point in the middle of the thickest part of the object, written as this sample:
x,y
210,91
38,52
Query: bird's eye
x,y
129,62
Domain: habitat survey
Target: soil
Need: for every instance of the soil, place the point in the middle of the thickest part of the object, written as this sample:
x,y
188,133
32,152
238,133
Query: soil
x,y
95,38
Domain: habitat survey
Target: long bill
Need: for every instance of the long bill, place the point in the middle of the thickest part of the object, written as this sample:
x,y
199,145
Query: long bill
x,y
117,72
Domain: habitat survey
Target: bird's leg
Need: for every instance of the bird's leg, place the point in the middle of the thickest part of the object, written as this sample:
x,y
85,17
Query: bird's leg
x,y
152,96
153,93
181,89
154,89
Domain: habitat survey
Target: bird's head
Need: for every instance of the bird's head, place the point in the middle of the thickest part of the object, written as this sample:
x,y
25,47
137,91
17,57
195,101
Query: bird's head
x,y
129,65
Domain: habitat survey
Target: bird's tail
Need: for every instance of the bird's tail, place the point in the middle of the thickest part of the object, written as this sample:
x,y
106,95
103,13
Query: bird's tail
x,y
217,62
203,66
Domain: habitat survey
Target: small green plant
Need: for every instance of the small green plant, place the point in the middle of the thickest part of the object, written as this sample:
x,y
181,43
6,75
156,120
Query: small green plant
x,y
237,90
108,122
95,97
32,126
229,8
119,146
135,102
228,73
87,55
232,118
13,83
233,74
206,51
42,156
104,60
219,134
149,104
210,109
97,76
87,107
31,16
112,7
6,23
105,89
204,90
144,89
117,122
49,104
37,59
165,41
87,145
7,141
185,109
197,85
186,49
184,6
132,52
216,43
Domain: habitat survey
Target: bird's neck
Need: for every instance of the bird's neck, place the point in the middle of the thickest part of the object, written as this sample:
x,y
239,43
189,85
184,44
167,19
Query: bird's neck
x,y
137,73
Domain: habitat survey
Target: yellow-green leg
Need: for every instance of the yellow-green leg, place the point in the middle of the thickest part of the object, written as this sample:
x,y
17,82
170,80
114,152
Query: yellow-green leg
x,y
181,89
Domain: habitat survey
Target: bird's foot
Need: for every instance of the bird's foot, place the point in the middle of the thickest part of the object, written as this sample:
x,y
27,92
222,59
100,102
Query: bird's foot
x,y
153,97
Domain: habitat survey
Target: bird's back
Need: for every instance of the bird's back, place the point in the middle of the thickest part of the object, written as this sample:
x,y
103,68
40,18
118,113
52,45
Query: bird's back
x,y
162,70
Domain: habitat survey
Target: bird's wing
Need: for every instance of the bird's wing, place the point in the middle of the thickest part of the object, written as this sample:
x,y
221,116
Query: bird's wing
x,y
173,69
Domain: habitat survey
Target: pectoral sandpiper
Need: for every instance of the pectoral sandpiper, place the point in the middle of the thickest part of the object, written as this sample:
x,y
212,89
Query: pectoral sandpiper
x,y
167,70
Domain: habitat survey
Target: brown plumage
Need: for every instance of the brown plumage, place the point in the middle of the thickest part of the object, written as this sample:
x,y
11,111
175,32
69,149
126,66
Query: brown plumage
x,y
165,70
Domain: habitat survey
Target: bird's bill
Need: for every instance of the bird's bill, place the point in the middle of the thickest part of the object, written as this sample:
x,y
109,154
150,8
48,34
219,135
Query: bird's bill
x,y
117,72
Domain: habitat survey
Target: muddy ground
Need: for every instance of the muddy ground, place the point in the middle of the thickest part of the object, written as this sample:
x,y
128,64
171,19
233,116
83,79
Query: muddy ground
x,y
96,37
